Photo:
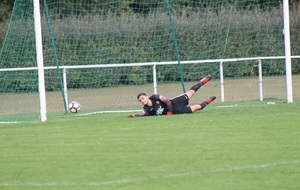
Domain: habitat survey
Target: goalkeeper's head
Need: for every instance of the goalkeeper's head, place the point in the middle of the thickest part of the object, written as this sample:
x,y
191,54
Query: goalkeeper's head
x,y
141,94
143,98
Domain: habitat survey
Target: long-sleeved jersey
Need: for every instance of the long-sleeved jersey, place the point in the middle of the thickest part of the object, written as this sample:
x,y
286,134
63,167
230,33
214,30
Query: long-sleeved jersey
x,y
160,106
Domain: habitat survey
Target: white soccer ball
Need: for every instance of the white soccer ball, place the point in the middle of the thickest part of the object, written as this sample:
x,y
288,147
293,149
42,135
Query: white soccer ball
x,y
74,106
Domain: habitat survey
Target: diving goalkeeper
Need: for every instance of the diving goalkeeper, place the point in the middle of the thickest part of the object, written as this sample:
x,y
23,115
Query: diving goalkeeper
x,y
160,105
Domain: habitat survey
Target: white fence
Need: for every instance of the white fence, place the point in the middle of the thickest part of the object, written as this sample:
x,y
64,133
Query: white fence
x,y
154,64
221,62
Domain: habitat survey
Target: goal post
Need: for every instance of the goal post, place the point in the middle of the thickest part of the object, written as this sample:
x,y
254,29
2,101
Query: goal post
x,y
40,60
107,51
288,64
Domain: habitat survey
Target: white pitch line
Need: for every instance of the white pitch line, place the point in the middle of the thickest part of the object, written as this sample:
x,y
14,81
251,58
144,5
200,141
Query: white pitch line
x,y
234,168
9,122
117,181
174,124
32,184
100,112
171,175
244,105
228,106
193,173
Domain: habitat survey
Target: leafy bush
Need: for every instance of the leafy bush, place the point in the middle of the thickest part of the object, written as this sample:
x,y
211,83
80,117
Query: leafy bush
x,y
90,39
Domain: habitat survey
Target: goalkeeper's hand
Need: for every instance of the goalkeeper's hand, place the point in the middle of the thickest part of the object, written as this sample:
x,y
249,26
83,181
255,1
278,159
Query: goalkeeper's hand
x,y
131,116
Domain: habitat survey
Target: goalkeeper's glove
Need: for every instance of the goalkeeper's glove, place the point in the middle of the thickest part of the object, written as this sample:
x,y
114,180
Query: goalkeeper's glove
x,y
131,116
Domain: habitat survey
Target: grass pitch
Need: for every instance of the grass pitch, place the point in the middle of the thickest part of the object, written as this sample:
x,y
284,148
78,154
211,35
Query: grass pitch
x,y
225,146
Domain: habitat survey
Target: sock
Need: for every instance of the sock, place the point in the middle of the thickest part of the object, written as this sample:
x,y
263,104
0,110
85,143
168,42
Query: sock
x,y
203,105
196,86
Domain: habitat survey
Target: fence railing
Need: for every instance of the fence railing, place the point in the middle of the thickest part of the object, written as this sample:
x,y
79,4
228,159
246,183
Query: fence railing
x,y
154,64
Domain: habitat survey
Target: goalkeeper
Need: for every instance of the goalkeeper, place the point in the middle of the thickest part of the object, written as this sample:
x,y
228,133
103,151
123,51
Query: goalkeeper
x,y
160,105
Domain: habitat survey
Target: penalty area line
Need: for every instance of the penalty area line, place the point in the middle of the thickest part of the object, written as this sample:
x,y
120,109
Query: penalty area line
x,y
193,173
165,176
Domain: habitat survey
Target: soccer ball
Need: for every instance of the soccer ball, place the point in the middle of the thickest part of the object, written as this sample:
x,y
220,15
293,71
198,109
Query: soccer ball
x,y
74,106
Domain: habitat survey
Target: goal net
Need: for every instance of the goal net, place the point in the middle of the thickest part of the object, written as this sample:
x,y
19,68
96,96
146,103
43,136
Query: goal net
x,y
102,53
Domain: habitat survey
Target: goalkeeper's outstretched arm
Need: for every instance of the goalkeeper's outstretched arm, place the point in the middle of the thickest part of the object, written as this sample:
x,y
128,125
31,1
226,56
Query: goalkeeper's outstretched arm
x,y
143,113
154,105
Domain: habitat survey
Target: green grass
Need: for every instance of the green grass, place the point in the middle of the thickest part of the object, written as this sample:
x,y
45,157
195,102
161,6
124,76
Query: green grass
x,y
244,146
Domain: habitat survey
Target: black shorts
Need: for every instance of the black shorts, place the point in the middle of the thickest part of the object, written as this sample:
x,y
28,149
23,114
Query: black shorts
x,y
181,104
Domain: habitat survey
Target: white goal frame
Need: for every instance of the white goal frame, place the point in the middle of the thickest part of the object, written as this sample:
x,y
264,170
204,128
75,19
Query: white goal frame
x,y
40,65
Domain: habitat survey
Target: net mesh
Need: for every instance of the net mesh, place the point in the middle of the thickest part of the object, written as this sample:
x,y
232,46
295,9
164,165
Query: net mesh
x,y
102,32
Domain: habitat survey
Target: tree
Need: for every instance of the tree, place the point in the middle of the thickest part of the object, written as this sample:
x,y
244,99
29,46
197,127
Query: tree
x,y
5,9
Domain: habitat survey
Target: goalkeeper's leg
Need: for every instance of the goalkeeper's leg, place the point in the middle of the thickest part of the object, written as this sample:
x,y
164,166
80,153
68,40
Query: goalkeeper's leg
x,y
203,104
197,86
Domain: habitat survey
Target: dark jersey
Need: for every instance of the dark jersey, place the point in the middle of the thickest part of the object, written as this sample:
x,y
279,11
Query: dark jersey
x,y
160,106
